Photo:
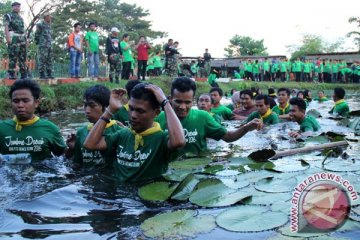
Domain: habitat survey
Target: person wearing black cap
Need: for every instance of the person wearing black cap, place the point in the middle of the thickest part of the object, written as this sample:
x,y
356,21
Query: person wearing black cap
x,y
16,40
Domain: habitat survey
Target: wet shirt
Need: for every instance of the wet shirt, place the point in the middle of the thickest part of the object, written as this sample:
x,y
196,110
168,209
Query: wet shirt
x,y
341,109
279,111
309,124
91,159
273,118
198,125
39,139
148,161
223,111
122,115
43,34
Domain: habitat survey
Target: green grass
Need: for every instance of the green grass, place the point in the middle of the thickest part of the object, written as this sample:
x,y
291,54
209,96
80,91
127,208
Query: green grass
x,y
69,96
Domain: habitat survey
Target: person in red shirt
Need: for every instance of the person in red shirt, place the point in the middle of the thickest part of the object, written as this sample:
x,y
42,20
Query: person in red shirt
x,y
142,48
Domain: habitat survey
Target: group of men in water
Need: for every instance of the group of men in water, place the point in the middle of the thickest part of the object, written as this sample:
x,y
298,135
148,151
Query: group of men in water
x,y
135,132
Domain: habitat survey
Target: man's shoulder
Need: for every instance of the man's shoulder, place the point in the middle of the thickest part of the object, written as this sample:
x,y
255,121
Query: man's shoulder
x,y
6,123
47,123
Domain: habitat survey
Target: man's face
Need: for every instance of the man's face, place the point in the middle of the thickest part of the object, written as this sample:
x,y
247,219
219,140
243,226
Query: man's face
x,y
216,97
16,8
283,97
182,102
93,110
92,27
127,39
47,18
296,114
78,28
246,101
23,104
115,34
261,107
321,94
141,114
204,103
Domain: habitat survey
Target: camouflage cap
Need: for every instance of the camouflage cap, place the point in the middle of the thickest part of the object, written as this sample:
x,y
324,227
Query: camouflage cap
x,y
15,4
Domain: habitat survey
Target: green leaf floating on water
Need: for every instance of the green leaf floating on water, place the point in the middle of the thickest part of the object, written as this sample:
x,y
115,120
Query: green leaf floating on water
x,y
176,175
185,188
314,113
276,185
190,164
342,165
289,165
177,225
214,193
157,191
250,219
266,198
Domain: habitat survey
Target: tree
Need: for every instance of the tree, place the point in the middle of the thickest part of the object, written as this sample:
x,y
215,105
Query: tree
x,y
245,46
312,44
355,34
5,7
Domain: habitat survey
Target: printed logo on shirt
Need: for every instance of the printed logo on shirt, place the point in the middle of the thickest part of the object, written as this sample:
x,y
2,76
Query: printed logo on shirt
x,y
94,157
135,159
190,136
27,144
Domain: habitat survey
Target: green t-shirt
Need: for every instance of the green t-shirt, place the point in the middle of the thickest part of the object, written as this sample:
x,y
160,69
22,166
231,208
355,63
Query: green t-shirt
x,y
307,67
93,39
309,124
149,161
88,159
335,67
298,66
237,75
340,109
324,99
248,67
223,111
279,112
157,62
273,118
122,115
198,125
266,66
327,67
39,139
274,67
256,68
212,78
283,66
126,53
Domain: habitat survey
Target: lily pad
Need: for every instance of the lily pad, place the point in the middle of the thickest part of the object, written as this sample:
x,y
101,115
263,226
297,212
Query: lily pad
x,y
254,176
260,166
185,188
190,164
235,184
317,139
265,198
314,113
289,165
286,230
250,219
214,193
276,185
213,169
179,224
342,165
157,191
355,113
176,175
239,161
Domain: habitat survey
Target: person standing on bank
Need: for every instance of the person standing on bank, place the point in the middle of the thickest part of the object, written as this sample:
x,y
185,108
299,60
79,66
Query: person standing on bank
x,y
76,49
43,39
114,53
16,40
142,48
92,44
207,61
128,59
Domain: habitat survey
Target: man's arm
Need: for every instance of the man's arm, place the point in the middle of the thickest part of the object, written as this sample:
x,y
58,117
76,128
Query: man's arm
x,y
7,33
234,135
86,40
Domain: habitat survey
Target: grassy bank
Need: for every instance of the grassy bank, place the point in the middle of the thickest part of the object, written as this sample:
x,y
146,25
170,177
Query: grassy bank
x,y
69,96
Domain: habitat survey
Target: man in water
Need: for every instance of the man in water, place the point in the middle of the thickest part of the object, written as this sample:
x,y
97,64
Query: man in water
x,y
283,108
26,132
142,151
205,102
216,95
321,97
341,107
198,125
247,105
263,111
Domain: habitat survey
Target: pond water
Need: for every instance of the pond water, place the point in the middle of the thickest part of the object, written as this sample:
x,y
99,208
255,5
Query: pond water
x,y
52,201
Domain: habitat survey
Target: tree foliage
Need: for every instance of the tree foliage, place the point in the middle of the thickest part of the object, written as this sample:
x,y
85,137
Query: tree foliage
x,y
312,44
355,34
245,46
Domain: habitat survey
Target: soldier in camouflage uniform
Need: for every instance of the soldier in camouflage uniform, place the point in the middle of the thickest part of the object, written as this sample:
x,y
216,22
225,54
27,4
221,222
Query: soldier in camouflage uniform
x,y
171,64
43,39
113,50
16,40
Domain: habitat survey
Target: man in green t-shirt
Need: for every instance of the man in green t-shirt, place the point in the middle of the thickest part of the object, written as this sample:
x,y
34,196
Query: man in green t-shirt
x,y
122,115
212,78
341,107
216,95
263,111
307,123
205,103
198,125
27,133
92,44
127,56
283,108
157,64
96,99
142,151
321,97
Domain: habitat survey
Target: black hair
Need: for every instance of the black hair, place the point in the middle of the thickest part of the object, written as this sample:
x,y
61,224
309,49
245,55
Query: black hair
x,y
306,95
271,91
288,92
130,85
77,24
217,89
247,92
92,23
297,94
298,102
205,94
31,85
339,92
255,90
157,52
140,92
176,42
263,97
125,35
183,84
232,91
170,39
141,36
99,94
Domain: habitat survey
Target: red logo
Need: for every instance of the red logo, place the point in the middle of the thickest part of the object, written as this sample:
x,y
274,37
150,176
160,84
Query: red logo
x,y
325,206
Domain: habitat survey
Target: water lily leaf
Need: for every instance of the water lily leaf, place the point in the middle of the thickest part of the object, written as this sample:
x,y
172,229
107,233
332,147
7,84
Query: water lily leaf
x,y
355,125
265,198
286,230
227,173
262,155
235,184
355,113
239,161
213,169
254,176
179,224
214,193
250,219
317,139
290,165
314,113
176,175
276,185
190,164
157,191
342,165
282,206
261,166
185,188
